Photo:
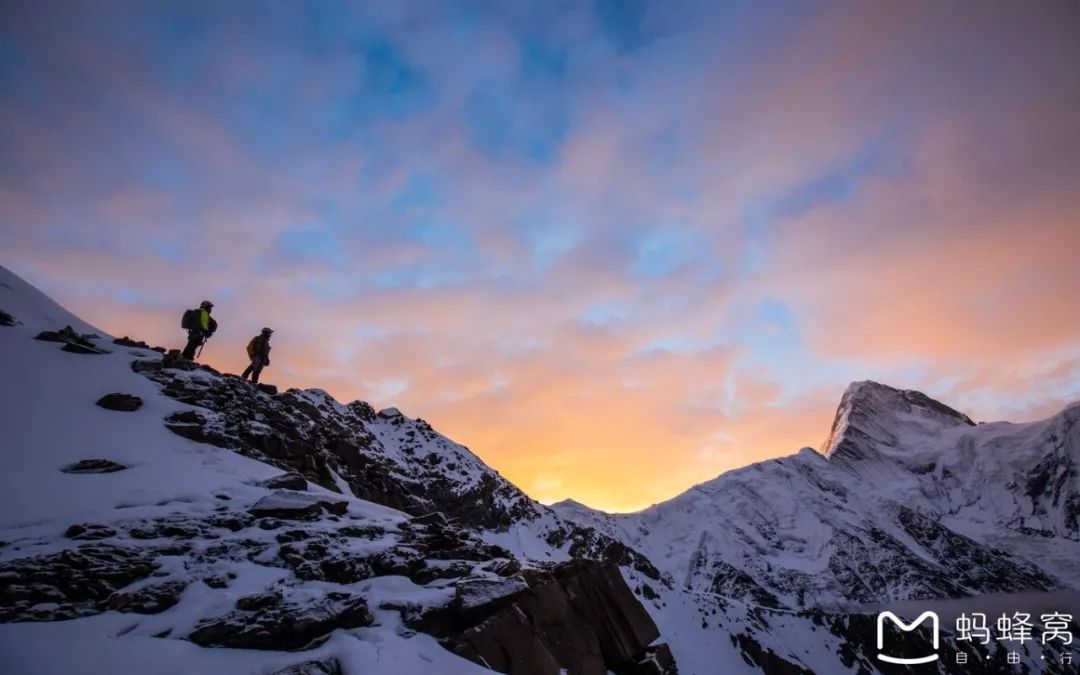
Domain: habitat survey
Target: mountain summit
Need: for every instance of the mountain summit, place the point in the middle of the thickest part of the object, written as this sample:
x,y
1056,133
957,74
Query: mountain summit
x,y
874,419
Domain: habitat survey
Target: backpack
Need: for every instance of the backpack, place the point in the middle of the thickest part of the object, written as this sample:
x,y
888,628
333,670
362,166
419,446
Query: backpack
x,y
190,320
251,347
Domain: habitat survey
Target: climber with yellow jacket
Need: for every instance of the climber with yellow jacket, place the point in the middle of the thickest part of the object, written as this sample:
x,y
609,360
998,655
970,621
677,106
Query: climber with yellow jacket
x,y
199,325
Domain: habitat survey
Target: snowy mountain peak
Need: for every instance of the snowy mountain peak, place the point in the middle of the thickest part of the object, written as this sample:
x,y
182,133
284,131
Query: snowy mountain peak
x,y
876,419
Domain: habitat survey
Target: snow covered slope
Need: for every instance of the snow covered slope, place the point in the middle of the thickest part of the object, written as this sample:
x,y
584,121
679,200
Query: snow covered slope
x,y
33,308
909,499
149,510
152,518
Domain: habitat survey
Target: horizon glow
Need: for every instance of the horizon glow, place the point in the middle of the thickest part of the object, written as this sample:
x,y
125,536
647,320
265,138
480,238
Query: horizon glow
x,y
615,248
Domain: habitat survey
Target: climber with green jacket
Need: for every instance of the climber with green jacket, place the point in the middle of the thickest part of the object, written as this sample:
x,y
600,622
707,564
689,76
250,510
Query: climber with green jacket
x,y
200,326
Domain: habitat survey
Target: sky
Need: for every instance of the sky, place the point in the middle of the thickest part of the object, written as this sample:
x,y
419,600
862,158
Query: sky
x,y
615,247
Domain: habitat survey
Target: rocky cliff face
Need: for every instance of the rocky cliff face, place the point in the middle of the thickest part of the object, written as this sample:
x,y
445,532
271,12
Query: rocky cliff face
x,y
386,458
577,617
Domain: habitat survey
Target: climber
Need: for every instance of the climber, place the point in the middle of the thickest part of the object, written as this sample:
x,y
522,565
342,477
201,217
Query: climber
x,y
200,326
258,350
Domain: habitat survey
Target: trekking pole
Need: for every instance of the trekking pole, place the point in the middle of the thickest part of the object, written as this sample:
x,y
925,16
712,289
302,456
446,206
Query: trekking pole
x,y
201,345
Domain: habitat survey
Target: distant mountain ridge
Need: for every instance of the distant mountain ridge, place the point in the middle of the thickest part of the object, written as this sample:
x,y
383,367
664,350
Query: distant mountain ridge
x,y
907,499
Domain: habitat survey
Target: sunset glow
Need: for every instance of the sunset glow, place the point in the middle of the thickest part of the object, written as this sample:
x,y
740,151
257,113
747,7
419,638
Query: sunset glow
x,y
615,248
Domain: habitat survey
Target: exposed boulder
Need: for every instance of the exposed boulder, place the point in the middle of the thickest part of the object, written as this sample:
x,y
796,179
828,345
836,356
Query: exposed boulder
x,y
93,466
89,532
128,342
291,505
283,625
252,603
6,319
390,414
192,425
175,361
64,335
77,348
319,559
73,342
146,365
120,402
286,481
150,599
267,389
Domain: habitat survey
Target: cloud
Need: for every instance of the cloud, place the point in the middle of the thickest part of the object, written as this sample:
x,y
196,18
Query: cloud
x,y
616,248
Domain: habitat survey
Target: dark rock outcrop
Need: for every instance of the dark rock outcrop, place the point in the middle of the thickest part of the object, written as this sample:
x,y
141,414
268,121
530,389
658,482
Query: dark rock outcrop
x,y
75,348
281,625
69,584
89,532
183,527
657,660
286,481
93,466
193,425
316,559
327,666
6,319
423,554
64,335
128,342
292,505
150,599
120,402
73,342
971,564
253,603
766,659
308,433
146,365
587,543
173,360
580,616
